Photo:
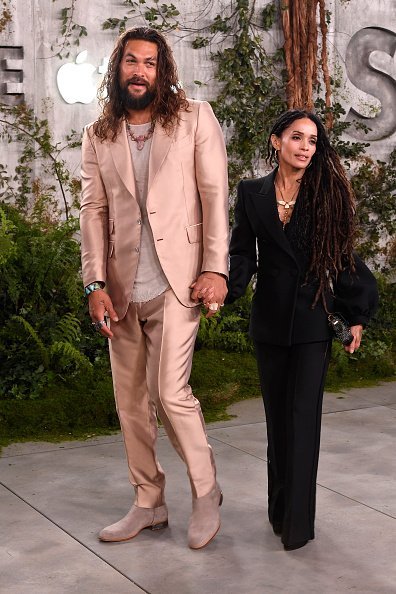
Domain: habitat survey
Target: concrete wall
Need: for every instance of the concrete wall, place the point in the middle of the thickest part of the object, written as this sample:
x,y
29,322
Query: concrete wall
x,y
365,54
363,42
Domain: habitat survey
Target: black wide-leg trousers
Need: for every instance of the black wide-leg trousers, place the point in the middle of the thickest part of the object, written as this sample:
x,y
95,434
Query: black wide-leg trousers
x,y
292,383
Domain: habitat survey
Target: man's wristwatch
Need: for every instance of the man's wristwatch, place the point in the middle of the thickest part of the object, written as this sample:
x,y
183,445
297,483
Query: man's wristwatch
x,y
93,287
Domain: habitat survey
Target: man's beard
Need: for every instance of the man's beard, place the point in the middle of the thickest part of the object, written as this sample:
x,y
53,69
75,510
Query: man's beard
x,y
136,103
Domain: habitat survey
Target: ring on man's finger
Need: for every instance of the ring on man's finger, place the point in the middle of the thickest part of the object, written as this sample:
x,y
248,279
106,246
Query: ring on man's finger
x,y
98,325
213,306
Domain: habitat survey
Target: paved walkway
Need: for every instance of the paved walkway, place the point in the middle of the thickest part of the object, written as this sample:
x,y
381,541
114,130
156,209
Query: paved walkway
x,y
54,497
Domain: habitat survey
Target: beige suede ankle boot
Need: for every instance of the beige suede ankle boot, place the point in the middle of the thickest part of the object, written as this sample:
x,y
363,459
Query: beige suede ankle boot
x,y
205,519
136,520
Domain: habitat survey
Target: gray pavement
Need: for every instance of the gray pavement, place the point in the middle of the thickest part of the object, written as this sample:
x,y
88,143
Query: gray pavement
x,y
55,497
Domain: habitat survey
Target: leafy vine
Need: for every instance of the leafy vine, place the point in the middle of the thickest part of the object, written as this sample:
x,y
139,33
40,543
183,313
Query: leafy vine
x,y
71,32
26,190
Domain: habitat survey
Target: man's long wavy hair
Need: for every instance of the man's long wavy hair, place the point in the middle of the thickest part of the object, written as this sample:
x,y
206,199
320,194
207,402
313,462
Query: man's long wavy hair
x,y
325,208
169,101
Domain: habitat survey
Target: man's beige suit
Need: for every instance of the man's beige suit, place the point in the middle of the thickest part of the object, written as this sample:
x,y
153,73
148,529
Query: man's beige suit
x,y
187,207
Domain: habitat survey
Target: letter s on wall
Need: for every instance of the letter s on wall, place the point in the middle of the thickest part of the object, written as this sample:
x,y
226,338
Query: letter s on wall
x,y
373,81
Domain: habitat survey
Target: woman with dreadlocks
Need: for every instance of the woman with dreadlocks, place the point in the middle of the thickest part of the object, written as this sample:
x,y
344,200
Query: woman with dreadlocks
x,y
301,217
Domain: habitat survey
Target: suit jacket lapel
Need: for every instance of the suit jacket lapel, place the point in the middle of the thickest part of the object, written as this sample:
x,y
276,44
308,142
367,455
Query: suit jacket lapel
x,y
265,205
160,146
121,154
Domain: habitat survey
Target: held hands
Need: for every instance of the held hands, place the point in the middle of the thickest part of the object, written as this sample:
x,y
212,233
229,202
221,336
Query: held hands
x,y
100,305
210,288
356,332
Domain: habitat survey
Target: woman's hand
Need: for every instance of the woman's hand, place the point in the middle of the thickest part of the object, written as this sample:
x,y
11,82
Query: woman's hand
x,y
211,289
356,332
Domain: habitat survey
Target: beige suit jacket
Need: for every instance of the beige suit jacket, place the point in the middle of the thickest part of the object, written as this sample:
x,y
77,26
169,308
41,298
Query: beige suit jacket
x,y
187,205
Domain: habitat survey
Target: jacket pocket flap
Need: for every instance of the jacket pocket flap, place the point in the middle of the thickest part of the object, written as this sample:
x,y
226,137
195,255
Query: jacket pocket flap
x,y
194,233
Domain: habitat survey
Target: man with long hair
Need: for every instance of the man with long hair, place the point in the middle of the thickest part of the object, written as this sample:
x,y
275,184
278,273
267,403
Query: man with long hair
x,y
154,231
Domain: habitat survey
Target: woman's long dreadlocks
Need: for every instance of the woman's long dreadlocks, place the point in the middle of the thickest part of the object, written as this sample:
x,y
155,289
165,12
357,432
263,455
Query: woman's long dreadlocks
x,y
325,207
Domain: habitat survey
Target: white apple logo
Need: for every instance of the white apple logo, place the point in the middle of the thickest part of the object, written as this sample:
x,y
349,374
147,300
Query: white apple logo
x,y
75,81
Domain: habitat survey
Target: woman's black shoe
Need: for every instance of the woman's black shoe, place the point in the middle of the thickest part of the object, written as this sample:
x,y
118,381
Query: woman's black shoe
x,y
297,545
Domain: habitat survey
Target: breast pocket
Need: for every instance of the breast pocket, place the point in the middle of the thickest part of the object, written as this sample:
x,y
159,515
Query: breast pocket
x,y
182,144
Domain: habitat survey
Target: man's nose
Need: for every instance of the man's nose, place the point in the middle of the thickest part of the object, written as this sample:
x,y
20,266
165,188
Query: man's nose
x,y
138,70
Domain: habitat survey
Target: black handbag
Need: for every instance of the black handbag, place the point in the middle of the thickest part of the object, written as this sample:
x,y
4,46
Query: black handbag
x,y
340,328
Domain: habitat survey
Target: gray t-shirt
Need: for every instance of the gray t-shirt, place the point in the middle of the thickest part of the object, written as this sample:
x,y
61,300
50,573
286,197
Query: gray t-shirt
x,y
150,280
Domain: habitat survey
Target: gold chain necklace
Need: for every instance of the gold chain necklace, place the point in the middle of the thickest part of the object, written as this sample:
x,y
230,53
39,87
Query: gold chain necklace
x,y
287,204
141,139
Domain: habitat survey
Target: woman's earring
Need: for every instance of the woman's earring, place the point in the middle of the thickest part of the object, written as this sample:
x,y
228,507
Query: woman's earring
x,y
276,155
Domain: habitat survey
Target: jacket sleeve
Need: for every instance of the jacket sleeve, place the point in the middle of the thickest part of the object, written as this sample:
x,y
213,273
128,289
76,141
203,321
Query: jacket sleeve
x,y
243,251
356,294
93,215
212,182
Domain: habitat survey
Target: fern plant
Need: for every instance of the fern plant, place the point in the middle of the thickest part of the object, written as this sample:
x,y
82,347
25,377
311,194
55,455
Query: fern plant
x,y
45,334
60,359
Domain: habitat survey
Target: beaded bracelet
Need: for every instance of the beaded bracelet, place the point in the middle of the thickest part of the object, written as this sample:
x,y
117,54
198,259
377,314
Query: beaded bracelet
x,y
93,287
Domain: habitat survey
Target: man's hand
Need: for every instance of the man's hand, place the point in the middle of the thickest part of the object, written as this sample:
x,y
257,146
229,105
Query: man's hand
x,y
210,287
100,305
356,332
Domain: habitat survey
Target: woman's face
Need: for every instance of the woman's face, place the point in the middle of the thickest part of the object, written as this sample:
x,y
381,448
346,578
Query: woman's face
x,y
297,144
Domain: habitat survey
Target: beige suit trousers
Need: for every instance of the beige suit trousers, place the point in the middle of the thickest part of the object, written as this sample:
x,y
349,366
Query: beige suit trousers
x,y
151,356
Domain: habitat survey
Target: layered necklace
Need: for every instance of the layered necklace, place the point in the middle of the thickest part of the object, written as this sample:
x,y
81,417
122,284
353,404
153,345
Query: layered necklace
x,y
141,139
287,205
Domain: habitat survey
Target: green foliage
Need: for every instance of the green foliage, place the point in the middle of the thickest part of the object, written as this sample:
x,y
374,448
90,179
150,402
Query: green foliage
x,y
7,244
41,177
70,31
268,16
113,23
251,94
374,183
220,378
79,406
200,42
162,17
45,337
229,329
348,151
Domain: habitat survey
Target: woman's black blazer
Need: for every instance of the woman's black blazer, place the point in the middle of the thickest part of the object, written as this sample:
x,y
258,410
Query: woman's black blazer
x,y
281,307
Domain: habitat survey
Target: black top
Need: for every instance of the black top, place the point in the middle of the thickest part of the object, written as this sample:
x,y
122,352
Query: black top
x,y
281,306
